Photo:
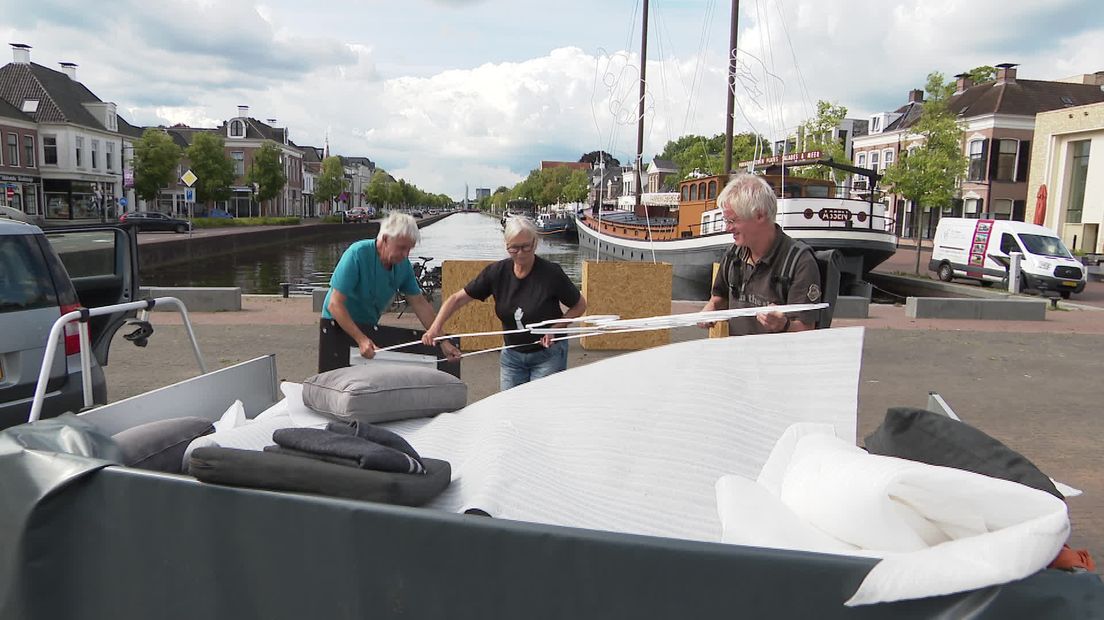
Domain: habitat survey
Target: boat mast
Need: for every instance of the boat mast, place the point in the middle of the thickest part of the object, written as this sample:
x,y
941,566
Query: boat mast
x,y
640,114
729,117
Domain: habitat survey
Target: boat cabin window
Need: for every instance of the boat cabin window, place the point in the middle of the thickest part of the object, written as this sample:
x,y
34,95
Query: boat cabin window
x,y
694,191
685,193
712,190
701,191
816,191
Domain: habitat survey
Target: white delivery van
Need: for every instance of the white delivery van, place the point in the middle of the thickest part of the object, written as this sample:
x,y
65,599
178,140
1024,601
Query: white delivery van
x,y
979,249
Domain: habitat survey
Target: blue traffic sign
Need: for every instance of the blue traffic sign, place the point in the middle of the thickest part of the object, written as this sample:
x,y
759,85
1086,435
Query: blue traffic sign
x,y
123,201
189,195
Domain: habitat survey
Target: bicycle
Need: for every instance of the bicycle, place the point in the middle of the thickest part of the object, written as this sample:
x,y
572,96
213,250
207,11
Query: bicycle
x,y
429,280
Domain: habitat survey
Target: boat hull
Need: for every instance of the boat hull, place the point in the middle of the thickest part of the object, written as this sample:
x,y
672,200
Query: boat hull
x,y
691,259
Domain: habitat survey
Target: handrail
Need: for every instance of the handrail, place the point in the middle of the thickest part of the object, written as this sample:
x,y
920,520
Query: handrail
x,y
83,315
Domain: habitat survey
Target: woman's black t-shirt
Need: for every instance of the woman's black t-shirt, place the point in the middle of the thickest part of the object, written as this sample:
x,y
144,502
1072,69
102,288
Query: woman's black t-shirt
x,y
523,301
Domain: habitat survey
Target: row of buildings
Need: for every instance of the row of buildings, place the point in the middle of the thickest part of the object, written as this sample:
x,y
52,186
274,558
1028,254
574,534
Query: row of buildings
x,y
66,154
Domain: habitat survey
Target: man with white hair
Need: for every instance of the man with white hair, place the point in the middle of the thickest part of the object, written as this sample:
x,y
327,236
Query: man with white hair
x,y
764,266
366,279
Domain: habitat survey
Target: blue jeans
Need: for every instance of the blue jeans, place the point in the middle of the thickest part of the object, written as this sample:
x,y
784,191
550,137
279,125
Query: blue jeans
x,y
518,367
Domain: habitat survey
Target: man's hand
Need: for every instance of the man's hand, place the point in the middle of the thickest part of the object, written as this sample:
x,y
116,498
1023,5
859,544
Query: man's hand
x,y
546,340
773,322
367,348
452,354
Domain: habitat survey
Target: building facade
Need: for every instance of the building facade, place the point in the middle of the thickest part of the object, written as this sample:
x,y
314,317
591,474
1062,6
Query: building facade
x,y
20,185
1065,185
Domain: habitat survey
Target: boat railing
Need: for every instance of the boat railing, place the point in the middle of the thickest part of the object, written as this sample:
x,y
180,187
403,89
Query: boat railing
x,y
82,316
841,217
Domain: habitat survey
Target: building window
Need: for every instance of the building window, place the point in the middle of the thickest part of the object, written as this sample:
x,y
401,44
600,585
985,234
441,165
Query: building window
x,y
95,154
874,161
976,171
970,207
1079,175
109,157
887,158
1002,210
237,129
28,151
239,163
875,124
49,150
13,149
1006,160
80,147
861,161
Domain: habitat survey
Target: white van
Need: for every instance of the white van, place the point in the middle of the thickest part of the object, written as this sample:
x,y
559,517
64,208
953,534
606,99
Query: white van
x,y
979,249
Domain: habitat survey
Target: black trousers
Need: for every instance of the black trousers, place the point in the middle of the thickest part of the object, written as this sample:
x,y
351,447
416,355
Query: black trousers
x,y
334,344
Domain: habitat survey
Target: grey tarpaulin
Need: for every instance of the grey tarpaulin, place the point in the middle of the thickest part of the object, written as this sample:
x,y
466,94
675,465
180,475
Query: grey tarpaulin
x,y
37,460
122,543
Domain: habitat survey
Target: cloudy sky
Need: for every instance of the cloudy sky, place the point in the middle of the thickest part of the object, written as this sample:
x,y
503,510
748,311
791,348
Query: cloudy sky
x,y
448,92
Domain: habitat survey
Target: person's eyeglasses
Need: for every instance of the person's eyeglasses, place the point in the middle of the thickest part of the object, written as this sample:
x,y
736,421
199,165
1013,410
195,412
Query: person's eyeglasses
x,y
730,221
522,247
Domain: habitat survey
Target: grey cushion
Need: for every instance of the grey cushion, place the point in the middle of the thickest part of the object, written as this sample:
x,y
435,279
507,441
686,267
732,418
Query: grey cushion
x,y
160,445
282,472
382,392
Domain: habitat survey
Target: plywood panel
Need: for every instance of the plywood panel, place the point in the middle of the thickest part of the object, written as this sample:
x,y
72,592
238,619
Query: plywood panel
x,y
631,291
720,328
477,316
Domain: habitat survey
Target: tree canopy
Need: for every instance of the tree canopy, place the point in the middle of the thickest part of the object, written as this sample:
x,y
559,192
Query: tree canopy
x,y
384,191
267,171
698,155
594,158
329,184
929,174
156,157
214,170
818,134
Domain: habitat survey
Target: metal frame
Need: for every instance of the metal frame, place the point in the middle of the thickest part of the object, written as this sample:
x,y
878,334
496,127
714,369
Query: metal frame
x,y
83,315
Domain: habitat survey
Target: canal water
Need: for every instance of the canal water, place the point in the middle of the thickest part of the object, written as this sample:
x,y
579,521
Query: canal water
x,y
461,236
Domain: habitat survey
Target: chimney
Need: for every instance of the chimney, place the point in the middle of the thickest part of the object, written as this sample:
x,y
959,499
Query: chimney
x,y
963,82
271,121
916,95
70,69
1006,73
243,111
21,54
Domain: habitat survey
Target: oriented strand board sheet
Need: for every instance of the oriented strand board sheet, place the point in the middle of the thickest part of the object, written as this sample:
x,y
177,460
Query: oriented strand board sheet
x,y
631,291
635,443
477,316
720,328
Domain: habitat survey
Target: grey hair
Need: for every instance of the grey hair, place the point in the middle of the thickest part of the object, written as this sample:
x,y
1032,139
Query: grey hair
x,y
519,225
747,195
399,225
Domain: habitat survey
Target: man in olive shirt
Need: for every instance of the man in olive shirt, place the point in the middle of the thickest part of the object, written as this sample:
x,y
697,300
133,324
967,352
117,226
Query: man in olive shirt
x,y
752,272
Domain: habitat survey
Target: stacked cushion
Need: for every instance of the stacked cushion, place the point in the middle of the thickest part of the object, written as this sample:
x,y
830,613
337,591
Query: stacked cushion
x,y
380,392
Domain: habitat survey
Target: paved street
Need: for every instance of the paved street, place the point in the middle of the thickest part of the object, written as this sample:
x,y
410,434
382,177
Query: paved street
x,y
1026,383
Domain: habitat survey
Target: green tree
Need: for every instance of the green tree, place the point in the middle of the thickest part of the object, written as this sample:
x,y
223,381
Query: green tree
x,y
595,158
982,74
377,191
700,155
331,181
210,164
576,187
268,171
929,175
156,158
818,134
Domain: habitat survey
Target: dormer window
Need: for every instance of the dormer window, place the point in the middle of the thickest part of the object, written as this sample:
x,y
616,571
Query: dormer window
x,y
237,129
875,124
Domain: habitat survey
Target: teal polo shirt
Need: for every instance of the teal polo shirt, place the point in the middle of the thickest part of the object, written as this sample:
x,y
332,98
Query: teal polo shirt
x,y
369,286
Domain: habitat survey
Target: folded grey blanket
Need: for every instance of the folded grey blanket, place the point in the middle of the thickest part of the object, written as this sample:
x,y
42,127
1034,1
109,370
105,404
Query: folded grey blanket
x,y
374,434
356,450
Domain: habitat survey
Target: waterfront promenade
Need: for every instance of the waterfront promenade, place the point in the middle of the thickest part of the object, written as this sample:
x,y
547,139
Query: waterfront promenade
x,y
1029,384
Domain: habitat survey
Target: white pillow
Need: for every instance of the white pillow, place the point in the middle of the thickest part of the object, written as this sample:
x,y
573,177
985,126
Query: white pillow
x,y
234,416
301,414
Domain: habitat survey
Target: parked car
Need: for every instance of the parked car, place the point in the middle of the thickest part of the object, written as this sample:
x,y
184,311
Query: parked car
x,y
42,277
220,214
358,214
153,220
19,216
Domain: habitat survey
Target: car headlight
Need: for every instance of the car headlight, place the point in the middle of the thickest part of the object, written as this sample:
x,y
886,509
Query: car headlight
x,y
1044,265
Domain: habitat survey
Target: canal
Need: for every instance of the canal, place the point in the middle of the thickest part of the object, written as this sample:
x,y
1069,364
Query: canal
x,y
461,236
